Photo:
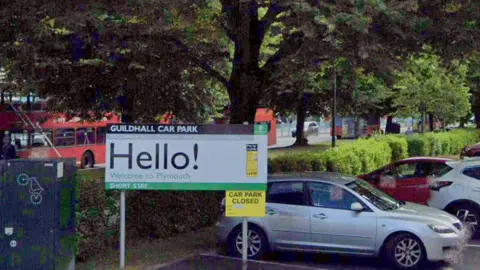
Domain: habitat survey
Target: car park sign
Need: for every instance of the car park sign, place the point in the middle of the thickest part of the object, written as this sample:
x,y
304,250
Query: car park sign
x,y
186,157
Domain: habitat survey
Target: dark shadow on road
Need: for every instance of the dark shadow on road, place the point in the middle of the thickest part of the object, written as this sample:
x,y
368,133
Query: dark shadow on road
x,y
325,261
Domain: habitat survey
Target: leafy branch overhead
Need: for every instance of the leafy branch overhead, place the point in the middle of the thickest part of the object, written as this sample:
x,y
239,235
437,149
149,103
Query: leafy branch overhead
x,y
147,57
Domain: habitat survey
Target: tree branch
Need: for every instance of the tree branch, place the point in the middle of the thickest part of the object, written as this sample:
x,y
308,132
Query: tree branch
x,y
288,47
201,63
270,17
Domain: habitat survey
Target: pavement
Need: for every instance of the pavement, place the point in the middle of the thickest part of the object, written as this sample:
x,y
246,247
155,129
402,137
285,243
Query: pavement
x,y
470,259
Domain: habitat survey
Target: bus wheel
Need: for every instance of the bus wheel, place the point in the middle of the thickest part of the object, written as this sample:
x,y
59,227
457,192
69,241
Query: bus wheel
x,y
87,160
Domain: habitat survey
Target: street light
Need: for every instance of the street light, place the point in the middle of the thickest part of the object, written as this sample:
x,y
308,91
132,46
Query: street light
x,y
334,108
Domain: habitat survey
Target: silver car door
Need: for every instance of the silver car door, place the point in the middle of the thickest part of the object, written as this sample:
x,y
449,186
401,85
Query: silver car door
x,y
336,228
287,216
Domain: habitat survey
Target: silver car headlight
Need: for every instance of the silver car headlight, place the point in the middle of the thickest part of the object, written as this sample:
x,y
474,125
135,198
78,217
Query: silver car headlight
x,y
440,228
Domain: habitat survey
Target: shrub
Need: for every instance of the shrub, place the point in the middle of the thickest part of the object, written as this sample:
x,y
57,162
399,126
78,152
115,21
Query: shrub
x,y
97,206
418,145
398,145
156,214
444,143
296,162
150,214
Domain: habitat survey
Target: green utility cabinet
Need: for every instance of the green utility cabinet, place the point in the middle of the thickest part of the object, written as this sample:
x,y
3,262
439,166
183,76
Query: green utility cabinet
x,y
37,214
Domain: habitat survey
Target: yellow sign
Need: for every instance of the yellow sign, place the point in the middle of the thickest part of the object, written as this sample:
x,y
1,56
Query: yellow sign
x,y
252,160
245,204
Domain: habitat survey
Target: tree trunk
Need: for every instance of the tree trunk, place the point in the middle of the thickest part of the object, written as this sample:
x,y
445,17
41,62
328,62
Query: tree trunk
x,y
301,116
246,79
388,128
431,122
244,102
126,104
476,112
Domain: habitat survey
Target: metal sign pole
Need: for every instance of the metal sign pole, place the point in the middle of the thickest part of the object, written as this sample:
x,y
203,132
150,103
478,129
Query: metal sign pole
x,y
245,243
245,238
122,229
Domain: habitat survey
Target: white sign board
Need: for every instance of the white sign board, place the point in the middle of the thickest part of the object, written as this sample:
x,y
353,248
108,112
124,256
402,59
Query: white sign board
x,y
186,157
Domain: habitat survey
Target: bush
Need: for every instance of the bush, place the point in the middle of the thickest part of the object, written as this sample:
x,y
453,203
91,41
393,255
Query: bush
x,y
444,143
398,145
150,214
362,156
157,214
296,162
95,231
418,145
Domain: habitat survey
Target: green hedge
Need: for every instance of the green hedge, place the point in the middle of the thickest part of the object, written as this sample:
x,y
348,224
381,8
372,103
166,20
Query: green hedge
x,y
366,155
445,143
150,214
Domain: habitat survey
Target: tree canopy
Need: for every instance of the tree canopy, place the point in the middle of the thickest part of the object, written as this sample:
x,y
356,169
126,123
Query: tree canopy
x,y
144,57
427,82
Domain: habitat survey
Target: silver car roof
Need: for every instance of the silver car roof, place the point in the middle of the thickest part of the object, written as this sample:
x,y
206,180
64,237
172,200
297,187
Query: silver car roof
x,y
335,178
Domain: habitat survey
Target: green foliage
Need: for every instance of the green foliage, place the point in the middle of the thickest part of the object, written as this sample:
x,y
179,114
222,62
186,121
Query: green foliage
x,y
96,232
357,158
150,214
418,145
445,143
427,81
156,214
366,155
398,145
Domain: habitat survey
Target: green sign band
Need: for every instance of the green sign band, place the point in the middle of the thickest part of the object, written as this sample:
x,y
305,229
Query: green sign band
x,y
184,186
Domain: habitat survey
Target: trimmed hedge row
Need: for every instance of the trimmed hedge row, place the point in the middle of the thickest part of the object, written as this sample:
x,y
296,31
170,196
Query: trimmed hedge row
x,y
366,155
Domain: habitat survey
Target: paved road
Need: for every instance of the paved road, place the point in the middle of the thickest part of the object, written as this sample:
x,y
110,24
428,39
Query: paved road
x,y
287,141
470,259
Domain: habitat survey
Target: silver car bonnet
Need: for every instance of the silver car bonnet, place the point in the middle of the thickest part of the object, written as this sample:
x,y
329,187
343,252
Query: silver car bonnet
x,y
424,213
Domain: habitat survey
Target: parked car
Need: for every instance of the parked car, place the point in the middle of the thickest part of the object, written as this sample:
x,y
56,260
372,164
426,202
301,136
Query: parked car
x,y
333,213
453,186
470,151
309,128
457,191
408,179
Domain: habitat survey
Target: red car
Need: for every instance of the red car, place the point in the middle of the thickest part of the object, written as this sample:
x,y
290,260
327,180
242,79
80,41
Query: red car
x,y
408,179
471,151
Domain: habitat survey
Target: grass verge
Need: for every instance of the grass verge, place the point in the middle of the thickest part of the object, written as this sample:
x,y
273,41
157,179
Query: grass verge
x,y
148,253
274,152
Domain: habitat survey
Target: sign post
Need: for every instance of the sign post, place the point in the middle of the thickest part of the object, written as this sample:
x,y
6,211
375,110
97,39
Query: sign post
x,y
190,157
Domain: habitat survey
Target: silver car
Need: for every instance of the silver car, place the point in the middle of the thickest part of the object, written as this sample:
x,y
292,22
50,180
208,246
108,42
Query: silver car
x,y
333,213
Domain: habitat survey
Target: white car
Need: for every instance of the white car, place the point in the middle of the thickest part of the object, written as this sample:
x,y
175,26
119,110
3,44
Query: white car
x,y
457,191
333,213
309,128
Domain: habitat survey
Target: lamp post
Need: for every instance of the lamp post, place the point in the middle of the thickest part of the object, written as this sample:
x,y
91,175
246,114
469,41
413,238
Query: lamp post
x,y
334,108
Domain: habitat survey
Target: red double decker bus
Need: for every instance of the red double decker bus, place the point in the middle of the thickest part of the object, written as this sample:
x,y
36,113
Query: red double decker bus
x,y
38,134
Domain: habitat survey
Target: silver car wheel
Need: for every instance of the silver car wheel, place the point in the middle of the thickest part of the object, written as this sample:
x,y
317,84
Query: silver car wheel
x,y
254,243
469,218
408,252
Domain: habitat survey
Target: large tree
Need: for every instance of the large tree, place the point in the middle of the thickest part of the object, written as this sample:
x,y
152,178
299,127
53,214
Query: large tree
x,y
192,35
427,83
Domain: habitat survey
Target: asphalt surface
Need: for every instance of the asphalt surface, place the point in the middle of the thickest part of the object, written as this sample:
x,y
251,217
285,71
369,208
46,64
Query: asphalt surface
x,y
469,259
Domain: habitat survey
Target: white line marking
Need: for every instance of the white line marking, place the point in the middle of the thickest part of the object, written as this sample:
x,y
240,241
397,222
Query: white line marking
x,y
260,262
470,245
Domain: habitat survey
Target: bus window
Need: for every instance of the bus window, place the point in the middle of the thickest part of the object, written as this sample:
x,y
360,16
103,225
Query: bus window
x,y
20,140
64,137
39,140
85,136
101,135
